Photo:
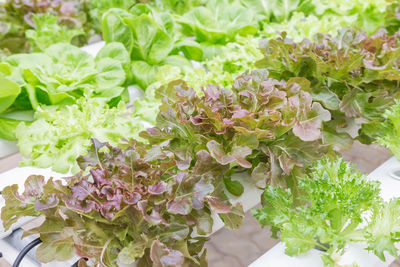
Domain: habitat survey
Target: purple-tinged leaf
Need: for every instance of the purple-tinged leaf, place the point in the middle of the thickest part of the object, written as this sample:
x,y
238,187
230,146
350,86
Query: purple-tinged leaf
x,y
50,202
180,177
218,205
165,257
173,258
158,188
217,152
259,175
131,198
179,206
154,218
33,188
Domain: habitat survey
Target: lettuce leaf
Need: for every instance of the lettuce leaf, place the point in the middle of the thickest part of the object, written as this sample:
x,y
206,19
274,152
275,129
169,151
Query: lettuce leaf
x,y
152,40
338,206
9,91
8,128
259,121
217,23
47,30
64,73
389,129
353,75
127,203
236,58
60,134
17,21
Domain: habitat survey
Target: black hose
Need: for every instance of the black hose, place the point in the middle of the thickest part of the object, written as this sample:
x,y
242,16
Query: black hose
x,y
25,250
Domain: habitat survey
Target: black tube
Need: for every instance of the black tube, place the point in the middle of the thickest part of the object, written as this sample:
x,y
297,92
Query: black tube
x,y
25,250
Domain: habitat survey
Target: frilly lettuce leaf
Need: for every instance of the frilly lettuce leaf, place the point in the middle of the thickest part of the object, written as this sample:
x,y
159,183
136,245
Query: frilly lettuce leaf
x,y
383,229
64,73
329,214
60,134
127,203
244,125
48,30
217,23
390,129
235,59
353,75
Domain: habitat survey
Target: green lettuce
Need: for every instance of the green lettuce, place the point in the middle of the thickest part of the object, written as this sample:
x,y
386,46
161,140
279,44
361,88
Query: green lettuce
x,y
99,7
301,26
9,91
64,73
216,24
60,134
152,40
338,206
177,6
48,30
303,19
390,129
235,59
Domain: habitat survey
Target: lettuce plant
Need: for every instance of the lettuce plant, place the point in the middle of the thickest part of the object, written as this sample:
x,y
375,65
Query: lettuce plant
x,y
354,76
47,30
60,134
61,75
127,205
177,6
152,40
303,18
64,73
336,200
17,16
235,59
216,24
99,7
262,124
392,19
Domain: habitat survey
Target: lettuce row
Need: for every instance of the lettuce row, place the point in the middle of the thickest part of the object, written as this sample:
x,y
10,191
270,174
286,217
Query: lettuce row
x,y
19,18
60,76
354,76
270,128
127,204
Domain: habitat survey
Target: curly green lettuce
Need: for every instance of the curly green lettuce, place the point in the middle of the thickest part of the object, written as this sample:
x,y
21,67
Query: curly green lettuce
x,y
48,31
338,206
60,134
304,19
390,129
235,59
